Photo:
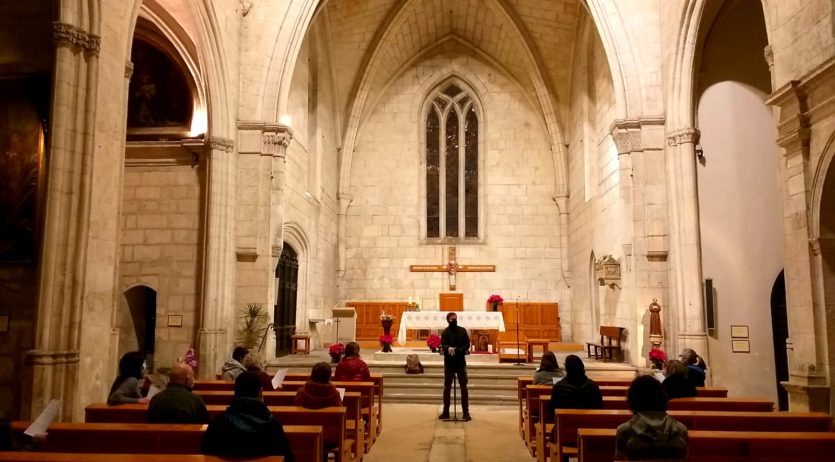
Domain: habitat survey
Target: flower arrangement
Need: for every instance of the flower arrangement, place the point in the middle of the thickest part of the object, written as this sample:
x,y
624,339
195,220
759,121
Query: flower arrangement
x,y
190,359
336,349
433,342
657,357
386,339
386,316
495,298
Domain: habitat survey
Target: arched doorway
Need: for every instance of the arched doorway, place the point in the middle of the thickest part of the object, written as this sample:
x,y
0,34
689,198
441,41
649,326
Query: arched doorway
x,y
780,332
139,322
826,240
287,287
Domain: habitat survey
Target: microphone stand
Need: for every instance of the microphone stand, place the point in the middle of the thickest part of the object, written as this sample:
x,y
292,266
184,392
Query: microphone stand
x,y
454,417
518,346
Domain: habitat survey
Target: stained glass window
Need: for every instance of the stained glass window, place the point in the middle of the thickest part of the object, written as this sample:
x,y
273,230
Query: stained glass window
x,y
452,165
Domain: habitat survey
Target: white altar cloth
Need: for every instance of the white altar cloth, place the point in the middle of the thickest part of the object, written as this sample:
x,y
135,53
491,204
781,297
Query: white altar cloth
x,y
437,320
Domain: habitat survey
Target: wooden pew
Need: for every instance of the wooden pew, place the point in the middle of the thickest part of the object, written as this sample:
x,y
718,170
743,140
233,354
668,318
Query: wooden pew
x,y
569,421
351,401
76,457
609,346
597,445
305,441
332,419
542,427
369,389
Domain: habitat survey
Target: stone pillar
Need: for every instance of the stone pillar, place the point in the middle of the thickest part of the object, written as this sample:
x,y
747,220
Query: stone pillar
x,y
685,249
342,231
639,144
276,140
52,366
805,303
217,307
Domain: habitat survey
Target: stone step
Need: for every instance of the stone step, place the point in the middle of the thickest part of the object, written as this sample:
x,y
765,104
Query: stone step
x,y
438,399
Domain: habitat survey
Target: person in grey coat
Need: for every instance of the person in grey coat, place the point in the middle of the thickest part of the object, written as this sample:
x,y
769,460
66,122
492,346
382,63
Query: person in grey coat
x,y
125,388
650,433
232,368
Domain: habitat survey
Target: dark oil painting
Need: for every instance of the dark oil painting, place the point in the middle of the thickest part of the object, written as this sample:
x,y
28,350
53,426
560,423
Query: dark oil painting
x,y
158,94
23,112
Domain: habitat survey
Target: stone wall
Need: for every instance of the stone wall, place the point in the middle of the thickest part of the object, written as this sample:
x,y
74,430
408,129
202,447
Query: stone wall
x,y
161,236
595,224
383,225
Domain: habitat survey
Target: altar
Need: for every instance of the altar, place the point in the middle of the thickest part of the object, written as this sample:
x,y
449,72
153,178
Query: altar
x,y
437,320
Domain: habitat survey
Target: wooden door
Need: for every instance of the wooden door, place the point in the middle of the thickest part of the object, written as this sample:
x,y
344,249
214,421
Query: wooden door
x,y
451,302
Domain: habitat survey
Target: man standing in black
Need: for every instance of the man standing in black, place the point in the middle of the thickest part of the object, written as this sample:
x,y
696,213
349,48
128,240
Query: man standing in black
x,y
455,345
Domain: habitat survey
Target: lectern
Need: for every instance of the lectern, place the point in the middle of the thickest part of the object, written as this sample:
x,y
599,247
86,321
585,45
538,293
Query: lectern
x,y
345,318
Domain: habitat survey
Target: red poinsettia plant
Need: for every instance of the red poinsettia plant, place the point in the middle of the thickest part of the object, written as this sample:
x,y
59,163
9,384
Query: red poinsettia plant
x,y
433,341
387,339
495,299
657,355
190,358
336,349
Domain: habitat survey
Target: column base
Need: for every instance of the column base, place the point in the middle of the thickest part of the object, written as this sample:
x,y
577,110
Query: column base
x,y
50,375
807,397
212,346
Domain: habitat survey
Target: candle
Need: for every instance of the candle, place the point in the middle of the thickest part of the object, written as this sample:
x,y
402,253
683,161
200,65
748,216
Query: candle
x,y
410,300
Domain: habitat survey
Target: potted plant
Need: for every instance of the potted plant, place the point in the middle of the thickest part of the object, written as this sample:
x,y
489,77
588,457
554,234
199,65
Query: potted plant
x,y
385,341
336,350
253,321
494,301
657,357
433,342
190,359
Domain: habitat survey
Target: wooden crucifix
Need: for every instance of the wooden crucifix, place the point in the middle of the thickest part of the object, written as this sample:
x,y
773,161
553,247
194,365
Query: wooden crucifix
x,y
452,267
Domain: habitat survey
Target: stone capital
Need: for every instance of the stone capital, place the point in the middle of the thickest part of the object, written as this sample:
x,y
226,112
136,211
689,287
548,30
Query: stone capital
x,y
627,136
220,144
74,37
683,136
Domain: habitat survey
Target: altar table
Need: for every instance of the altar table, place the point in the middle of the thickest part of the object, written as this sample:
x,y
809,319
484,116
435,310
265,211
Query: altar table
x,y
437,320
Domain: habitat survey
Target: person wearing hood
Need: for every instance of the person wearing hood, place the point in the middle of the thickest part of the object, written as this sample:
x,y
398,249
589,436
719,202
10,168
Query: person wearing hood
x,y
576,390
233,367
352,368
548,370
318,392
246,428
650,433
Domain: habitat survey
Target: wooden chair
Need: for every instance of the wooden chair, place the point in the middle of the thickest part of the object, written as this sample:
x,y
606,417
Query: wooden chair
x,y
609,347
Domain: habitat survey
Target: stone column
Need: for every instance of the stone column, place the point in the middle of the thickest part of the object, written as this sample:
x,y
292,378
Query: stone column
x,y
276,140
807,385
342,230
217,307
685,249
52,371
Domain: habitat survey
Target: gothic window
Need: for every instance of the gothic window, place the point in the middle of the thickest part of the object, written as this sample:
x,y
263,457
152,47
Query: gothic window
x,y
452,161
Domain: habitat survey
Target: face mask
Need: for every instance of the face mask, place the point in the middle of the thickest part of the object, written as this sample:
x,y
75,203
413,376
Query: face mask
x,y
453,323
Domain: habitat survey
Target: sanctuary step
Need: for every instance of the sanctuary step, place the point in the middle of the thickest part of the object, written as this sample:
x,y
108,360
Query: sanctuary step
x,y
489,382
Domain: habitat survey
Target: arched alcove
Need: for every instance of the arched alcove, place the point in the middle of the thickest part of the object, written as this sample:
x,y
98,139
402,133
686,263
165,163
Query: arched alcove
x,y
137,322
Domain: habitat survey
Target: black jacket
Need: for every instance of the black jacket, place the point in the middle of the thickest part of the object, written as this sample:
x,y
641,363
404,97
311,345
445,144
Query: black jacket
x,y
458,338
696,375
577,393
246,429
678,386
177,405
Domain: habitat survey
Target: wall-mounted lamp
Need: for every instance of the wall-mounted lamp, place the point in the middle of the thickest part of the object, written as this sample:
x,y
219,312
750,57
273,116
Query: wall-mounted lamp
x,y
700,153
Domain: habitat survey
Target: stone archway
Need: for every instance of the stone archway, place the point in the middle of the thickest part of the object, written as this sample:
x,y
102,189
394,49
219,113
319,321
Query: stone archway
x,y
137,322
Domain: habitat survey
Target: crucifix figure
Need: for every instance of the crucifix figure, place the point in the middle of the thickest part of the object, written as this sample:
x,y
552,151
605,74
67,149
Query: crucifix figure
x,y
452,268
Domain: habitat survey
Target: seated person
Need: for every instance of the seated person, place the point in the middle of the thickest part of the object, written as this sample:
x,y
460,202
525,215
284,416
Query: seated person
x,y
352,368
548,370
318,392
246,428
233,367
650,433
675,383
696,367
177,404
253,363
125,388
576,391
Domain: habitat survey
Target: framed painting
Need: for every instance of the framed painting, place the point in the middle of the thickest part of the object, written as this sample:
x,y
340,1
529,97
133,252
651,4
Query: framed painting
x,y
23,108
